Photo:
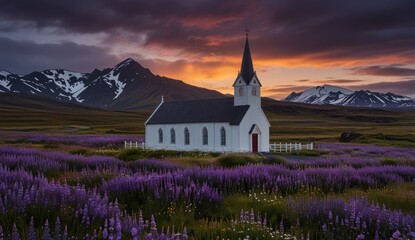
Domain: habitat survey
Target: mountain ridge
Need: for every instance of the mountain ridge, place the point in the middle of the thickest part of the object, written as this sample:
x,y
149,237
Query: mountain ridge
x,y
130,86
127,85
329,94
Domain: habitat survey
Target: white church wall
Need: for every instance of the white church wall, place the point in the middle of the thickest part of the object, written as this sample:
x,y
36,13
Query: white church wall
x,y
196,139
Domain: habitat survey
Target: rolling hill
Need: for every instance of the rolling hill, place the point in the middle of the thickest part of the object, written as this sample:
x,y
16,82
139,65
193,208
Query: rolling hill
x,y
289,121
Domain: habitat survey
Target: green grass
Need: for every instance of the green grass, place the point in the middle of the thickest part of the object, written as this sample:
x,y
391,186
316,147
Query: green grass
x,y
397,197
235,160
136,153
290,122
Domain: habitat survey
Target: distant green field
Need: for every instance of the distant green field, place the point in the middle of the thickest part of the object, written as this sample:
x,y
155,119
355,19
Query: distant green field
x,y
289,121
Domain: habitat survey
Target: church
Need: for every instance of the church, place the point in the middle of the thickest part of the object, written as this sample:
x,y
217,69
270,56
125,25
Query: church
x,y
235,124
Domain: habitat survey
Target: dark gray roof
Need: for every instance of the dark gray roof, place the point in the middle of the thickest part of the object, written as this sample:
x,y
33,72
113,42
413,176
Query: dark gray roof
x,y
198,111
247,67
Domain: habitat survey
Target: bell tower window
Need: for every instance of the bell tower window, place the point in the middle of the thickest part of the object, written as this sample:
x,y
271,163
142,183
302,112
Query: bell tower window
x,y
241,91
254,93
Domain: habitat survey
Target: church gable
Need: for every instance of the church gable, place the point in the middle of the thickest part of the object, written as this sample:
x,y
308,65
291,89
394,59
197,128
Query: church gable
x,y
239,81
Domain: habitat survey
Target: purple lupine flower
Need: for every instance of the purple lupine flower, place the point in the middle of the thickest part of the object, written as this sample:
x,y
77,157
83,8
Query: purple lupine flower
x,y
15,233
324,228
31,232
252,216
105,231
65,233
134,233
140,223
396,234
149,236
184,235
330,217
360,236
376,235
46,231
118,228
58,235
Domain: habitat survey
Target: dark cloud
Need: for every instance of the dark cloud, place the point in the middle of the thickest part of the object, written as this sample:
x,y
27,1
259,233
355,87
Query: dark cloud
x,y
303,80
398,87
313,30
27,56
389,71
101,16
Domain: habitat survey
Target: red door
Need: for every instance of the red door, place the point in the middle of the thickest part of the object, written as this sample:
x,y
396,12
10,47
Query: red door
x,y
254,142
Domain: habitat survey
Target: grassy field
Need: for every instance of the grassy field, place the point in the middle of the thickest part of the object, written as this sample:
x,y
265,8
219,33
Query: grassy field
x,y
289,121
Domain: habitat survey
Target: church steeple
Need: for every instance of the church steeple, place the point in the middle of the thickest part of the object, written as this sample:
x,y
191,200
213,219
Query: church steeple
x,y
247,68
247,88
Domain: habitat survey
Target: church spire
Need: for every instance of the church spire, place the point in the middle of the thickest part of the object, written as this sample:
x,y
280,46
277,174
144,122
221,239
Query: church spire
x,y
247,68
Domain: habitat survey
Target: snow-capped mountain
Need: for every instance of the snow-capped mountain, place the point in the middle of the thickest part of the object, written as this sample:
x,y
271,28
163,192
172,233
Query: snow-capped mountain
x,y
328,94
128,85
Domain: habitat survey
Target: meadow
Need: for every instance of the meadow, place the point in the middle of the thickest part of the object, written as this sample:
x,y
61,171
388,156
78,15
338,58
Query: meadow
x,y
71,186
289,121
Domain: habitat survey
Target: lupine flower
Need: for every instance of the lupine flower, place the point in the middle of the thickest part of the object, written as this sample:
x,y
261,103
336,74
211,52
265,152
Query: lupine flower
x,y
31,232
58,235
46,231
15,233
396,234
65,233
361,236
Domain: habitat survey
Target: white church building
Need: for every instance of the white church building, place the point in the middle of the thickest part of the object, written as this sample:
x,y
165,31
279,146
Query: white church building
x,y
234,124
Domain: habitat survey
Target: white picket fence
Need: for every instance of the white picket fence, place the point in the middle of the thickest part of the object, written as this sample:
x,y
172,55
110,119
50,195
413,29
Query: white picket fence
x,y
273,147
130,144
289,147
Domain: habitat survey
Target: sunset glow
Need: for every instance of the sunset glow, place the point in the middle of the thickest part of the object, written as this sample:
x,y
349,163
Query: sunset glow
x,y
294,46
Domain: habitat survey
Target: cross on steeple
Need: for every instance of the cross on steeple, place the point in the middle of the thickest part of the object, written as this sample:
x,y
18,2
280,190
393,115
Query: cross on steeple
x,y
246,31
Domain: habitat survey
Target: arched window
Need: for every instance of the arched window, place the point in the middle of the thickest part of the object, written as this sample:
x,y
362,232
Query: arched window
x,y
241,91
205,136
222,136
253,91
186,136
172,136
160,135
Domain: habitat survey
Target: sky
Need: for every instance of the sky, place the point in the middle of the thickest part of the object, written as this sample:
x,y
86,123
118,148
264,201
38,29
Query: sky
x,y
295,44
